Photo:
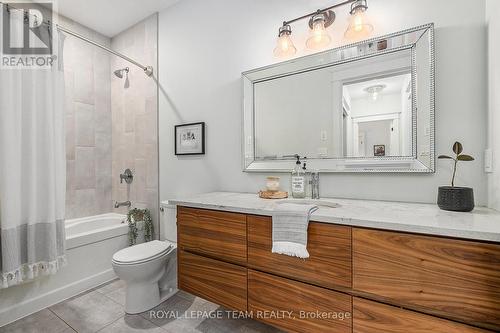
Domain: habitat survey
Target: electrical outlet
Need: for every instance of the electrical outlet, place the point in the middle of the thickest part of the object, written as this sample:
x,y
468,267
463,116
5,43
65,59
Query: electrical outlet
x,y
488,161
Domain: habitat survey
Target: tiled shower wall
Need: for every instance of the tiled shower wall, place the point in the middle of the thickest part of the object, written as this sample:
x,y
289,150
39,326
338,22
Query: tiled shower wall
x,y
88,124
135,117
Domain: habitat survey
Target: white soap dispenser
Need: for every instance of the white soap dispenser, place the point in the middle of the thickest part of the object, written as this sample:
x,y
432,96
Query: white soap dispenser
x,y
298,180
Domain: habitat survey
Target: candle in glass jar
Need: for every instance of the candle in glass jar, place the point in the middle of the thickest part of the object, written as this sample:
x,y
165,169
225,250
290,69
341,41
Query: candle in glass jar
x,y
273,184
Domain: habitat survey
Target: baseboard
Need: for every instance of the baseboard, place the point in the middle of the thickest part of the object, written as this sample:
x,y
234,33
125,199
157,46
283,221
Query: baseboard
x,y
55,296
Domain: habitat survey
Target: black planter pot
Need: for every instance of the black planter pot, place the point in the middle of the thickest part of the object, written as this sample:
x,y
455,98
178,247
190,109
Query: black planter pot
x,y
456,199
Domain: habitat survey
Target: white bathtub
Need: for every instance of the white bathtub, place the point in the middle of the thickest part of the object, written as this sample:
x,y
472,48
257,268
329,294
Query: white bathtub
x,y
88,230
90,245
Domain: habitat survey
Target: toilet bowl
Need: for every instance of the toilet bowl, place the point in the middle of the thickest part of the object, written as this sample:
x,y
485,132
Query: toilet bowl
x,y
150,274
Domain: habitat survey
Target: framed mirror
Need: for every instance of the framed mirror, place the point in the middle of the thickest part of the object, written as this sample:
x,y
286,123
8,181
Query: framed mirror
x,y
364,107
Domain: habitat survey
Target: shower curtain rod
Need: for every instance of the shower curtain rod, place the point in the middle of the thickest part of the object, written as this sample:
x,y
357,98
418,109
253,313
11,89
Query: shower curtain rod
x,y
148,70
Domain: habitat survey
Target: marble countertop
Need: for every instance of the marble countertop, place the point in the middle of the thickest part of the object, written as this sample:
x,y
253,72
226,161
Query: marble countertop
x,y
481,224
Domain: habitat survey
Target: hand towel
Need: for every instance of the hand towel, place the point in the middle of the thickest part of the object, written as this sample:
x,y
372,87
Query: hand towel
x,y
290,222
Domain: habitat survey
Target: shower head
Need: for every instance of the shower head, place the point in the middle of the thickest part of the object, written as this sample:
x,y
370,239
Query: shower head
x,y
119,72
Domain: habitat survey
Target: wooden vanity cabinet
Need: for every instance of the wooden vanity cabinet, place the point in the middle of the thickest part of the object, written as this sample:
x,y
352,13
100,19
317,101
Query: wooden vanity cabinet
x,y
373,317
329,247
299,306
219,235
390,282
217,281
446,277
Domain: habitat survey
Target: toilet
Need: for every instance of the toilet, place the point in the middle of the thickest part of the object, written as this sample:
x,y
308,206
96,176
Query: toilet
x,y
150,269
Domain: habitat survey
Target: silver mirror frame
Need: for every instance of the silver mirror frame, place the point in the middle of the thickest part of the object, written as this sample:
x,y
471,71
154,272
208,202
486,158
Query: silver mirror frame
x,y
411,164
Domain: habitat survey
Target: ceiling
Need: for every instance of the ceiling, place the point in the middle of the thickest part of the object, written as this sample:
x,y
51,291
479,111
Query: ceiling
x,y
110,17
394,85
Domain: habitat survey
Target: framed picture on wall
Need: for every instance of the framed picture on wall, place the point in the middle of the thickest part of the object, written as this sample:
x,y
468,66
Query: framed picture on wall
x,y
190,139
379,150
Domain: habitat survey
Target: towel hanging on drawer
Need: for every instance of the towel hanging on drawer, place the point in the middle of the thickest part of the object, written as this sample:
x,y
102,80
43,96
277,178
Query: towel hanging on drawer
x,y
290,222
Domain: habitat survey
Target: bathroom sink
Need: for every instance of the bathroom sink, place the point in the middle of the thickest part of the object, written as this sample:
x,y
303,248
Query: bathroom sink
x,y
319,202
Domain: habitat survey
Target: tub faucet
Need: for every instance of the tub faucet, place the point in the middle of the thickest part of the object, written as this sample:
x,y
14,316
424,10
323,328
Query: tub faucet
x,y
314,185
123,204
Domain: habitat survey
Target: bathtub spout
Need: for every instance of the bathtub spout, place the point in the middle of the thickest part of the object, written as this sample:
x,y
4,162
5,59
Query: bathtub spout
x,y
123,204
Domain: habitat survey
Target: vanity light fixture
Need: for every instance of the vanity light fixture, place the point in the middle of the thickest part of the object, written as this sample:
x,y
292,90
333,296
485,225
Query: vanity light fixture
x,y
318,22
319,37
375,90
285,47
359,25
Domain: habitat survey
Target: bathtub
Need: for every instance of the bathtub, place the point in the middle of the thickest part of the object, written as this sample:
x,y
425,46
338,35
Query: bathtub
x,y
88,230
90,245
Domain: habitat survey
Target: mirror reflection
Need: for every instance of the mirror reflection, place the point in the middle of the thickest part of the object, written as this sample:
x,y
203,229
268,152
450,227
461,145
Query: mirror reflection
x,y
377,117
361,109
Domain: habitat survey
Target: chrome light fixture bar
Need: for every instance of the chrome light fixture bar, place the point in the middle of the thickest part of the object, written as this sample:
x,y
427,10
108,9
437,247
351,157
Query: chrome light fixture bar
x,y
318,22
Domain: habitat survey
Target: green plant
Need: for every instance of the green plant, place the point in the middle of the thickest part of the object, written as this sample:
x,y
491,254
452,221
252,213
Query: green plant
x,y
135,215
457,149
132,227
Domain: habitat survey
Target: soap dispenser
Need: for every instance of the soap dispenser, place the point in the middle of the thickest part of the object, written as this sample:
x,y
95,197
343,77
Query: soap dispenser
x,y
298,180
306,180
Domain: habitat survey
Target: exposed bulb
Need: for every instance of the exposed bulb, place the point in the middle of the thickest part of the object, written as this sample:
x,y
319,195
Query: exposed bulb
x,y
359,25
285,47
318,36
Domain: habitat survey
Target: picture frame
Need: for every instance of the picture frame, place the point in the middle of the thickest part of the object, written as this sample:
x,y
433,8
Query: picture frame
x,y
379,150
189,139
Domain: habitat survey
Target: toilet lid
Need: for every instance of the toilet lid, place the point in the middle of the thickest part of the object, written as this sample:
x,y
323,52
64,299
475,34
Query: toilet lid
x,y
142,252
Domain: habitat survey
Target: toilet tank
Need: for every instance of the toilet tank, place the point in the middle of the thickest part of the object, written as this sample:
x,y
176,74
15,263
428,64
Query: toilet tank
x,y
168,222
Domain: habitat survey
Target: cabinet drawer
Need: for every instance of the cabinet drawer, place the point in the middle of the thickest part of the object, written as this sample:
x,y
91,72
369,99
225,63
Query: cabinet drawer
x,y
371,317
329,246
220,235
216,281
451,278
269,295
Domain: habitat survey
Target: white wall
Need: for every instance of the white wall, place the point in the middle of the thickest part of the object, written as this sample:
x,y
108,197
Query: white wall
x,y
384,105
205,45
292,112
493,21
376,133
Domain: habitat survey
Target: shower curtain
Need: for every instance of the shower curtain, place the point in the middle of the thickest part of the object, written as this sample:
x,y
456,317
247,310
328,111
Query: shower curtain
x,y
32,172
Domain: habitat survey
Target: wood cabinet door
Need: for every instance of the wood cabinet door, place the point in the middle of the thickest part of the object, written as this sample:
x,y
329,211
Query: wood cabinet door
x,y
372,317
214,280
219,235
445,277
329,246
297,307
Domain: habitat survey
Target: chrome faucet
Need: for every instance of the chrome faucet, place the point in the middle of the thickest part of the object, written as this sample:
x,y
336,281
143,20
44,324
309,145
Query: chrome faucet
x,y
314,185
123,204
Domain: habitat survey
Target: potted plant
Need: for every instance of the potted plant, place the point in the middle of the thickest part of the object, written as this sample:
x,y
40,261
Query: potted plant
x,y
453,198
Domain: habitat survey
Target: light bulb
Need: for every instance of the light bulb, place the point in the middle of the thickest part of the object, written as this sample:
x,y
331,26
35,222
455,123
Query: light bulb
x,y
359,25
318,36
285,47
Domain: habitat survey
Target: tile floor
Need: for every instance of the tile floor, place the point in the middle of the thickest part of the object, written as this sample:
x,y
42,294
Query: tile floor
x,y
101,310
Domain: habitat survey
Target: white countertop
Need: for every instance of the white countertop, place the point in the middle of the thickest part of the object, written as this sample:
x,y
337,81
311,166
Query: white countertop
x,y
481,224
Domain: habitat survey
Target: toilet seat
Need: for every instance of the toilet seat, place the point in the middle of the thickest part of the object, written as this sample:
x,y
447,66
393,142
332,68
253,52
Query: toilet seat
x,y
143,253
